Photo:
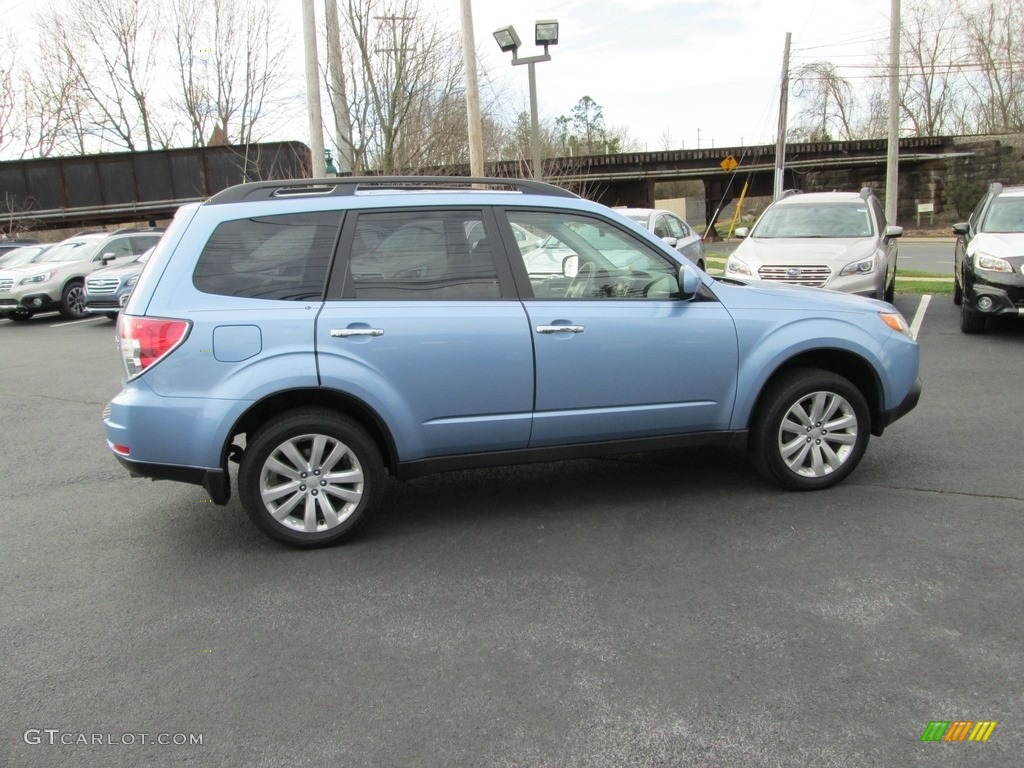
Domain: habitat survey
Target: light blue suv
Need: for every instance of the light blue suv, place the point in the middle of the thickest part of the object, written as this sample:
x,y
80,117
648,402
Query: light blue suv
x,y
324,333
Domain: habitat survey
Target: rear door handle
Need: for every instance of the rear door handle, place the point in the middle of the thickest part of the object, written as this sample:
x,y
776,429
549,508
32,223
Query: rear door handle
x,y
344,333
560,329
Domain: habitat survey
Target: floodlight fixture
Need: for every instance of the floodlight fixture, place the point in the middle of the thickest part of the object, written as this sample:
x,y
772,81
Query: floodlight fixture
x,y
546,33
507,39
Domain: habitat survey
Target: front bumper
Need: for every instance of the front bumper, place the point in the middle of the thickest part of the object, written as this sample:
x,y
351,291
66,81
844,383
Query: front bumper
x,y
29,302
909,403
1006,294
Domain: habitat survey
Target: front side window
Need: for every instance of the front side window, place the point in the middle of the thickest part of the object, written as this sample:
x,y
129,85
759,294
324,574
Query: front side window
x,y
269,257
422,254
588,258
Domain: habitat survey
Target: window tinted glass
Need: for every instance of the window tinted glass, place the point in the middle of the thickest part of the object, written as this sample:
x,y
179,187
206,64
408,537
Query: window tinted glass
x,y
273,257
589,258
409,255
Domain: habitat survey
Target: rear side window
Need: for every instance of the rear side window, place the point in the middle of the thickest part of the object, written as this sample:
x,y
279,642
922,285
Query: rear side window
x,y
270,257
422,254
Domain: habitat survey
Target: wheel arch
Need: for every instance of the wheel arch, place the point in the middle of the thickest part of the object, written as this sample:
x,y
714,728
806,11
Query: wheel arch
x,y
280,402
849,365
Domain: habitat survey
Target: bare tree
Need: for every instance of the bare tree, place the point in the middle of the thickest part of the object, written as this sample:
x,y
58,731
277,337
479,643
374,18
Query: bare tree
x,y
996,42
828,104
406,98
231,64
8,91
930,81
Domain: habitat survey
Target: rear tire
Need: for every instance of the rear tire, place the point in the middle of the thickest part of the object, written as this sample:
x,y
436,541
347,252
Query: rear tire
x,y
309,477
810,430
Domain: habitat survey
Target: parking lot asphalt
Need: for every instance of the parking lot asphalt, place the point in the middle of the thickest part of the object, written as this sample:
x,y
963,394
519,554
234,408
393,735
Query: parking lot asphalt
x,y
667,609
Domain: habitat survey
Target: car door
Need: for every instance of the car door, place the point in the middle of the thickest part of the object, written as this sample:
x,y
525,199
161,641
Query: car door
x,y
618,355
688,242
428,332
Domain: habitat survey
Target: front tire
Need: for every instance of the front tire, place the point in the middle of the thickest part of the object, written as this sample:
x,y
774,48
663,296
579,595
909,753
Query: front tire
x,y
958,292
810,430
971,322
72,301
309,477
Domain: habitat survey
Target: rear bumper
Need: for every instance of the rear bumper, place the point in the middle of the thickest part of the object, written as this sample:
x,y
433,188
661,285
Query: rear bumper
x,y
216,482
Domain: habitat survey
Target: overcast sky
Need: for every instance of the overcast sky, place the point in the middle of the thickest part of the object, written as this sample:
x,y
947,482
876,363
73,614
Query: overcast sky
x,y
671,72
666,69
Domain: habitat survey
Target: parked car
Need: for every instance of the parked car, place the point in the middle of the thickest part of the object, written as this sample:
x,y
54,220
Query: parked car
x,y
25,254
988,260
323,334
837,240
56,281
107,289
670,228
9,245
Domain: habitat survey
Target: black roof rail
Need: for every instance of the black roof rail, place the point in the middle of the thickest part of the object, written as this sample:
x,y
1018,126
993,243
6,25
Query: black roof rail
x,y
349,185
789,193
135,230
995,188
866,193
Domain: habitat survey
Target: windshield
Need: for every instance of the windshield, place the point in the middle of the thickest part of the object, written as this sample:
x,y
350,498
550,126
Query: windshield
x,y
71,250
815,220
21,255
1006,214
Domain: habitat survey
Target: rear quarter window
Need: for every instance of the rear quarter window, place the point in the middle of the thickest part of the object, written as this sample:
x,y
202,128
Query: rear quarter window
x,y
269,257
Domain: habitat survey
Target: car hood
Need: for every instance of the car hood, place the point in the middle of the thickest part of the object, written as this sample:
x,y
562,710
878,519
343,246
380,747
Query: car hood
x,y
768,295
805,250
121,270
1004,245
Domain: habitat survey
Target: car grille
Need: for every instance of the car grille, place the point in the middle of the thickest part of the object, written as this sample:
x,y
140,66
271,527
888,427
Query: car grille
x,y
814,276
99,286
7,284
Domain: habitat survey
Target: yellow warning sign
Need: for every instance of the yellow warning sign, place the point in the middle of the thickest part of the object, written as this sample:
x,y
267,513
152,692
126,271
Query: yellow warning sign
x,y
729,164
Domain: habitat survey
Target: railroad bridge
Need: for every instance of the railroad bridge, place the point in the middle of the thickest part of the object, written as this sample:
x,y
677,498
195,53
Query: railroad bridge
x,y
138,186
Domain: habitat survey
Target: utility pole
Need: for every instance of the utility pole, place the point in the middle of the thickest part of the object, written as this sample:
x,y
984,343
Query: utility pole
x,y
339,97
892,162
316,123
476,141
780,143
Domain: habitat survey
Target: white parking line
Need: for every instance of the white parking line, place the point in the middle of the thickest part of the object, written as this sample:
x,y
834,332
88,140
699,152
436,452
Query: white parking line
x,y
77,322
915,325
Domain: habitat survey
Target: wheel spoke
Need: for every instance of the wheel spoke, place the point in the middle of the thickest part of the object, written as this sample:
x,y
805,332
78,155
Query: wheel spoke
x,y
796,462
844,422
309,521
788,449
317,451
818,402
817,465
798,412
834,404
284,510
297,459
354,475
331,517
337,453
275,465
348,494
276,492
842,438
790,426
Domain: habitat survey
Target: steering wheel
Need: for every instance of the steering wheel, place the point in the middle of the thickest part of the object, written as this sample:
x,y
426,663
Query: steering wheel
x,y
581,283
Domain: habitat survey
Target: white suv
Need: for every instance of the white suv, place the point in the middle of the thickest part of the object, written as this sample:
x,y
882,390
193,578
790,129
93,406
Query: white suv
x,y
56,281
836,240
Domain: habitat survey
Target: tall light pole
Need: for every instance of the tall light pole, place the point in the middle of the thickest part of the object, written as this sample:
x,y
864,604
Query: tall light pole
x,y
316,123
475,127
892,163
546,33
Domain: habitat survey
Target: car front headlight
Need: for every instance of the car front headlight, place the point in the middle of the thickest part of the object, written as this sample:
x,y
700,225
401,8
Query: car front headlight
x,y
862,267
131,281
738,266
991,263
32,279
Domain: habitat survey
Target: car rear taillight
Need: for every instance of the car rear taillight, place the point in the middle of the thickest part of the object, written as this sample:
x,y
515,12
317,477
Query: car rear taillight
x,y
145,340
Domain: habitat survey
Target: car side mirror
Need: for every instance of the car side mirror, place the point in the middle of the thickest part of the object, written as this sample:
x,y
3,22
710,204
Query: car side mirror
x,y
961,229
571,266
741,232
670,240
893,231
689,282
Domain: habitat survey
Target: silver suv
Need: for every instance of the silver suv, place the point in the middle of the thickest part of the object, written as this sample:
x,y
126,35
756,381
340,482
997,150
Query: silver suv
x,y
837,240
56,281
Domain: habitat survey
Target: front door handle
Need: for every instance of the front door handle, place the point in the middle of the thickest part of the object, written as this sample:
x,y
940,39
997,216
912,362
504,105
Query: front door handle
x,y
560,329
344,333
